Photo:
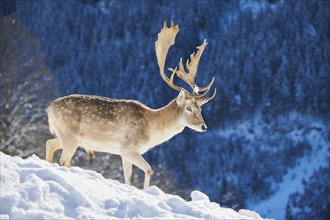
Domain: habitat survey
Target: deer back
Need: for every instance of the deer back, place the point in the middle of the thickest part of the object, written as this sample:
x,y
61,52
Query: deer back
x,y
98,118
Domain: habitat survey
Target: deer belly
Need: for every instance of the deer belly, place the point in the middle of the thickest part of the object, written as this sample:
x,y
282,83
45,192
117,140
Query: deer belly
x,y
98,146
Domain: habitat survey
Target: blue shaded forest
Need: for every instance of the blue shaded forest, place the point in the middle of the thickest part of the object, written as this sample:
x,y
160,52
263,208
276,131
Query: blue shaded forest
x,y
271,63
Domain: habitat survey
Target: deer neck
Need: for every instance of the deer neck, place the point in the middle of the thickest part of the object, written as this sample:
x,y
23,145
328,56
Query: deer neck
x,y
166,122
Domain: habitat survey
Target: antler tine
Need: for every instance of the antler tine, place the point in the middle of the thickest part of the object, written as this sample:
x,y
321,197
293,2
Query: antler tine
x,y
202,101
166,39
206,87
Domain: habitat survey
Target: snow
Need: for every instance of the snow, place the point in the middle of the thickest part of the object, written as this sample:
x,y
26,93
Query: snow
x,y
35,189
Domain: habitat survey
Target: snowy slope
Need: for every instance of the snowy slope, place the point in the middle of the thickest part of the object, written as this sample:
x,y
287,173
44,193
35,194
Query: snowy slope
x,y
292,182
35,189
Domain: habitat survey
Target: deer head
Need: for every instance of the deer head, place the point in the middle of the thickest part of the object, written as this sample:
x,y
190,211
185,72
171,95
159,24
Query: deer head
x,y
190,103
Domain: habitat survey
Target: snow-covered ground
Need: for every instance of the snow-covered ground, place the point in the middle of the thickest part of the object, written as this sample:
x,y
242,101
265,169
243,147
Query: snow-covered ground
x,y
35,189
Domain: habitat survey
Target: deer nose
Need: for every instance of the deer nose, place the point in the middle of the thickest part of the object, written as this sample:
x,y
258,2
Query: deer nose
x,y
204,127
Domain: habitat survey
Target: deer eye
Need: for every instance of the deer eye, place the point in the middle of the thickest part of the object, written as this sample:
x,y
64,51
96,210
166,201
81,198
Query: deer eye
x,y
189,109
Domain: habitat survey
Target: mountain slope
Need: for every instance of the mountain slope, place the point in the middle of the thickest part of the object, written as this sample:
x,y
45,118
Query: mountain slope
x,y
35,189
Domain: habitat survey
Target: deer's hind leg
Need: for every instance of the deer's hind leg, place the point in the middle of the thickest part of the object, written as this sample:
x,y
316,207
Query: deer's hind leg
x,y
52,145
69,148
70,144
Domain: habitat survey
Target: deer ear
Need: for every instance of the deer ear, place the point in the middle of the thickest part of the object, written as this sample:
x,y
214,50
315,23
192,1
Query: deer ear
x,y
181,98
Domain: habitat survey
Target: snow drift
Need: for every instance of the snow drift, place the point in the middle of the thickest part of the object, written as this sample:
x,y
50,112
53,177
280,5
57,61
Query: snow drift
x,y
35,189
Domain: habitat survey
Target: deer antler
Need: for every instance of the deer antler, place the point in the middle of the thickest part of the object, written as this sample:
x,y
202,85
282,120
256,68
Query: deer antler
x,y
202,101
166,39
192,66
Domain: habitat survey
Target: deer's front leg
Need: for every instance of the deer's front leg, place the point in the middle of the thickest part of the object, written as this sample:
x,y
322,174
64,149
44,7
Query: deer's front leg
x,y
127,167
136,159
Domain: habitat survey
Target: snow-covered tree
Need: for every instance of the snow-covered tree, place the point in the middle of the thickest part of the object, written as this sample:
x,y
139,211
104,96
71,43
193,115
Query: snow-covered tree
x,y
26,88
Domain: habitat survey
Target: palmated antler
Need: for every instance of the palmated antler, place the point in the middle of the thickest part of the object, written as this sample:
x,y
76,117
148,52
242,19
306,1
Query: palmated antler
x,y
166,39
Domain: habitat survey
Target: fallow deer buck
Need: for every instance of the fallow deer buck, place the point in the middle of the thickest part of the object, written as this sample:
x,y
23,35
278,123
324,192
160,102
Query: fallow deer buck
x,y
126,127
